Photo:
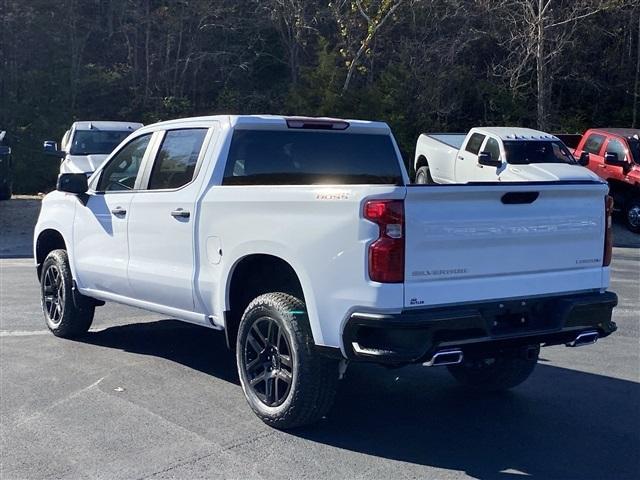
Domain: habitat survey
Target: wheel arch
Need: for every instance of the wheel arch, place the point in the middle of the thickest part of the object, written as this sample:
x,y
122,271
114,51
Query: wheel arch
x,y
421,161
253,275
48,239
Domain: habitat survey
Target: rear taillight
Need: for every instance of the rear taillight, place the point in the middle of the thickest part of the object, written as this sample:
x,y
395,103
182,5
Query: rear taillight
x,y
608,231
386,254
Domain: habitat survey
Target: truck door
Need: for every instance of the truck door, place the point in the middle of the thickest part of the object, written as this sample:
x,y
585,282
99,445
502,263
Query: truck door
x,y
162,257
100,228
467,160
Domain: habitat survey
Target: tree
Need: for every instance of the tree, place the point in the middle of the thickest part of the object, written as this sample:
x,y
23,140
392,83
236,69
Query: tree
x,y
538,32
358,23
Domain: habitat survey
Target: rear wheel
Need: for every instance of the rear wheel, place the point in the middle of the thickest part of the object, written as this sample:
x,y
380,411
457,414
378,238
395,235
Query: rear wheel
x,y
286,382
632,215
423,176
66,316
501,372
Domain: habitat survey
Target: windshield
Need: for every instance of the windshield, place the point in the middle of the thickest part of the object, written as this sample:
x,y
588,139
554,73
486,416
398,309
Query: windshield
x,y
275,157
96,142
536,151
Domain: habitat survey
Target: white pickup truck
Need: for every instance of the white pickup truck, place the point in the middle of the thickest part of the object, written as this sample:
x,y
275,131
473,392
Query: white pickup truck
x,y
495,154
305,242
87,144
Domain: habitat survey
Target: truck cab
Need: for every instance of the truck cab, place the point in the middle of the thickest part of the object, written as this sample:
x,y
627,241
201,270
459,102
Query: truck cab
x,y
495,154
87,144
614,154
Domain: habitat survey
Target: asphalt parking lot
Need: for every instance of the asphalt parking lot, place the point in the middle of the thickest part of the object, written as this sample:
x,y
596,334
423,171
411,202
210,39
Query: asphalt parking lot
x,y
143,396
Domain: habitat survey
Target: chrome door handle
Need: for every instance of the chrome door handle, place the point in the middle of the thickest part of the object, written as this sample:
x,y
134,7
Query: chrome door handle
x,y
180,213
119,211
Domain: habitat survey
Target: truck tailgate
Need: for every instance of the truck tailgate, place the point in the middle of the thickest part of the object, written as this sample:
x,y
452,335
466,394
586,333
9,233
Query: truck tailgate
x,y
483,242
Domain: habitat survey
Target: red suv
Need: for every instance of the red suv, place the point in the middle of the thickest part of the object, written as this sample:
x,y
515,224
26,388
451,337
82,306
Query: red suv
x,y
614,154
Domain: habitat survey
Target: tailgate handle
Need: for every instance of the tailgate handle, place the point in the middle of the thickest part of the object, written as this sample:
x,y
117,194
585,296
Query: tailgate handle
x,y
512,198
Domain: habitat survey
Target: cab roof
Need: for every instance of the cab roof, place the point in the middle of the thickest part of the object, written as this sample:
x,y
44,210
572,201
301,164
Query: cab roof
x,y
621,132
280,122
104,125
515,133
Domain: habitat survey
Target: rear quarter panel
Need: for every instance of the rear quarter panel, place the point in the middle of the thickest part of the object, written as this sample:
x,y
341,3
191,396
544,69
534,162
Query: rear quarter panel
x,y
318,230
441,158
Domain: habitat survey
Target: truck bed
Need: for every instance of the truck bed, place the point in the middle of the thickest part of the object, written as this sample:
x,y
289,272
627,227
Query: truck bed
x,y
454,140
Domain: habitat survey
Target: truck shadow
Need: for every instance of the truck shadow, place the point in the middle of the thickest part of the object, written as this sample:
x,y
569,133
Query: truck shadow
x,y
560,424
196,347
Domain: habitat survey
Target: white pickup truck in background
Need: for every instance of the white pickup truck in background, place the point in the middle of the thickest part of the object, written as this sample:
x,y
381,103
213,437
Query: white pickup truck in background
x,y
87,144
495,154
304,240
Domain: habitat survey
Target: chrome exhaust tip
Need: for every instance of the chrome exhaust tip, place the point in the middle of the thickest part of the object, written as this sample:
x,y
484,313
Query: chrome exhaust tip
x,y
585,338
445,357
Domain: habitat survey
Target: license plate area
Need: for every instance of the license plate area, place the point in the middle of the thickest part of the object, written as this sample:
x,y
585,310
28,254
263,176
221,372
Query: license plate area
x,y
521,316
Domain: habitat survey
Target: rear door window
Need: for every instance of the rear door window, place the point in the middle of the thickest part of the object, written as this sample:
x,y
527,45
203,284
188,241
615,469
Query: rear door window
x,y
474,143
282,157
594,143
175,164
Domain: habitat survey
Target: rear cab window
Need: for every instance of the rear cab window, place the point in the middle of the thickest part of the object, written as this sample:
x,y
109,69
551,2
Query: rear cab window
x,y
293,157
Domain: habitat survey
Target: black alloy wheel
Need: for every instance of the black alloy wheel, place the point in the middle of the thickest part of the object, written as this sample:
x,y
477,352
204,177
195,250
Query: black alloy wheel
x,y
268,361
53,295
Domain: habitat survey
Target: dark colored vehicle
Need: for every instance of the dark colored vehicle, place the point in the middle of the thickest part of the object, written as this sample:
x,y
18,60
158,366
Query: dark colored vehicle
x,y
614,154
6,180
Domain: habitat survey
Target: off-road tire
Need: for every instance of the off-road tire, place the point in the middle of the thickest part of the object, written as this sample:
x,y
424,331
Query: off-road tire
x,y
314,378
65,316
502,372
423,176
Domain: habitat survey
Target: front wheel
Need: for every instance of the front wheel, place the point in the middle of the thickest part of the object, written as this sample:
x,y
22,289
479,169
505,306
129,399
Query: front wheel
x,y
501,372
632,215
286,382
66,316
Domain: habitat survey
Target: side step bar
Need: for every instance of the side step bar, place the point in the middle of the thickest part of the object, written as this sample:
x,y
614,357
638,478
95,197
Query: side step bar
x,y
445,357
585,338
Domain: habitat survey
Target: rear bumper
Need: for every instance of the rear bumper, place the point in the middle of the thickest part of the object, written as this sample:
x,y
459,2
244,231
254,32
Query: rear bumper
x,y
477,329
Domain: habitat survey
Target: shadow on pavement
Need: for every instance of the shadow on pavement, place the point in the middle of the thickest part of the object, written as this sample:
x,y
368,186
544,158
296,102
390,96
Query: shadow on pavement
x,y
623,237
560,424
196,347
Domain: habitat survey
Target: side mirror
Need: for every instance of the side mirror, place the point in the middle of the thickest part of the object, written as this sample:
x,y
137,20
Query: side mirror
x,y
4,150
75,183
484,158
584,159
611,158
51,148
